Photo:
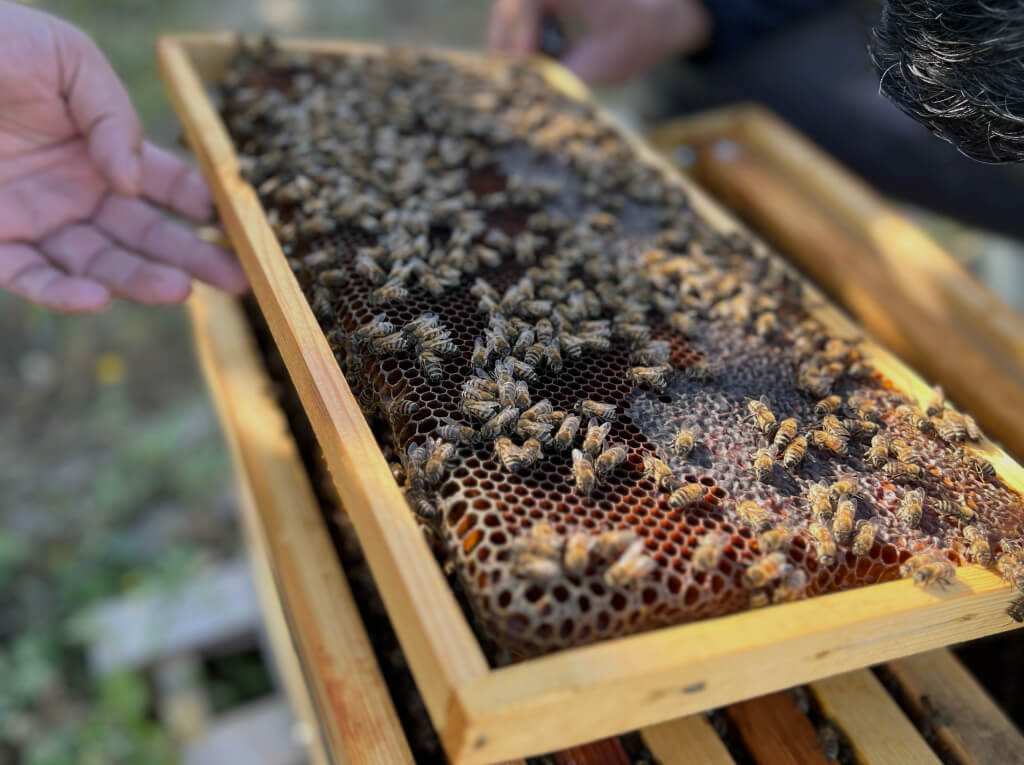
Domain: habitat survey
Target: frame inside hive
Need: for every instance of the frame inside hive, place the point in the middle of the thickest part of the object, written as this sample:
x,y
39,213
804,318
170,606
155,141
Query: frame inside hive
x,y
483,714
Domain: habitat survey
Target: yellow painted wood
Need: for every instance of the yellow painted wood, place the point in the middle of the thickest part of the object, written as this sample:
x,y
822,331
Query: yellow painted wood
x,y
357,716
872,722
687,741
587,693
970,725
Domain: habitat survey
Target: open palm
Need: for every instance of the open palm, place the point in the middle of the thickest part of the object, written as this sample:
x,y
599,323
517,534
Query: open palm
x,y
83,201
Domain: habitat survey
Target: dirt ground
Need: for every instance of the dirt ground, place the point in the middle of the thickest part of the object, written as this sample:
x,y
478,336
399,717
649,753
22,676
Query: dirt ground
x,y
113,473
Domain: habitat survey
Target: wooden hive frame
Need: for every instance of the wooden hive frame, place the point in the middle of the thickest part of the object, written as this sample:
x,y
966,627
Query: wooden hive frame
x,y
483,714
336,686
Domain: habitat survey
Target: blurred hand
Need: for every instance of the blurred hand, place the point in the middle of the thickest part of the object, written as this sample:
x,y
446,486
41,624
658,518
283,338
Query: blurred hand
x,y
74,174
622,38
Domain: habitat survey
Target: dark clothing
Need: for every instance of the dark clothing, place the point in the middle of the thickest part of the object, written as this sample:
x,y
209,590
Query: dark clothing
x,y
814,71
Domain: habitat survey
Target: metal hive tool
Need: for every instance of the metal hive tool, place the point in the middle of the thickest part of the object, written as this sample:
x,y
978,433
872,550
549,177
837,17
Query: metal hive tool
x,y
446,219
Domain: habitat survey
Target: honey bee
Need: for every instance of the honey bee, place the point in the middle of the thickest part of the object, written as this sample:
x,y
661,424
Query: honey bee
x,y
536,568
902,451
389,292
915,418
656,378
824,543
842,522
704,371
835,427
1016,610
567,432
824,441
861,428
951,427
521,396
937,403
333,277
865,538
766,324
811,382
973,431
786,432
1011,567
421,506
912,508
860,408
765,570
762,463
583,472
683,323
499,423
610,544
763,417
878,454
927,569
847,485
982,467
589,408
404,408
610,459
687,495
531,451
596,434
378,326
432,366
709,550
660,473
828,405
632,566
396,342
479,408
755,516
792,586
794,453
684,440
533,428
958,510
897,469
541,539
367,267
577,553
453,431
774,539
981,551
820,501
654,353
437,462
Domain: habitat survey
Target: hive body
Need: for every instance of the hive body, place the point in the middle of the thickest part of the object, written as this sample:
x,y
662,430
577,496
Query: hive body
x,y
396,182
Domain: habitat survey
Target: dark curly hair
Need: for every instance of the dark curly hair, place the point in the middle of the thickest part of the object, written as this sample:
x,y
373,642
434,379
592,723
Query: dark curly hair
x,y
957,66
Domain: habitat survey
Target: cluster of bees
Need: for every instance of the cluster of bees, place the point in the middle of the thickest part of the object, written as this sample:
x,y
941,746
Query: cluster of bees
x,y
393,147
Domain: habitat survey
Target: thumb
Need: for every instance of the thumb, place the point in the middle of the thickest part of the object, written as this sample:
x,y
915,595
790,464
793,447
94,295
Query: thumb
x,y
102,110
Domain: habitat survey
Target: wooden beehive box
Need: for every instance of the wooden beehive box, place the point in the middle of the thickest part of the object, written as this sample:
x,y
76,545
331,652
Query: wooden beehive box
x,y
485,714
324,651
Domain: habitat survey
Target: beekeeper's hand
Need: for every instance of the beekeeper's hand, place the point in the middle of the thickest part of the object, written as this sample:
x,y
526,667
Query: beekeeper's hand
x,y
86,207
621,38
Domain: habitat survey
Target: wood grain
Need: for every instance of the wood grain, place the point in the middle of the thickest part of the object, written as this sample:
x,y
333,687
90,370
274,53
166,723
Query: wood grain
x,y
895,280
966,722
686,741
776,732
360,724
871,720
546,704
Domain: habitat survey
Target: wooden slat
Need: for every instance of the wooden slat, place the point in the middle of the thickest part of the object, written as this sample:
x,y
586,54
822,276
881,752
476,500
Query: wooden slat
x,y
546,704
970,726
776,732
898,282
872,722
607,751
442,651
687,741
360,723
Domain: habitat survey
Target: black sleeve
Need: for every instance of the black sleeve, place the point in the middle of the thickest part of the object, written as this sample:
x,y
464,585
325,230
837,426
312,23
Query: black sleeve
x,y
738,23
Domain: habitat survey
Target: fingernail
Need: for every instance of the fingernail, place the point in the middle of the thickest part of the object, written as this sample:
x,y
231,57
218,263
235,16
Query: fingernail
x,y
126,175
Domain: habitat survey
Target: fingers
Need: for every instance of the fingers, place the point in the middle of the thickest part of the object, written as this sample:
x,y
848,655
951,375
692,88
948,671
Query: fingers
x,y
82,250
174,184
514,25
24,271
140,227
101,109
600,60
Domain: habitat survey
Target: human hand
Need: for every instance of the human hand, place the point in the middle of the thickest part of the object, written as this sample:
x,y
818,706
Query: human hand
x,y
622,38
84,202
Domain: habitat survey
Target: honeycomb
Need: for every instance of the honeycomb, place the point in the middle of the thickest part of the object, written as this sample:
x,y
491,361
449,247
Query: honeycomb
x,y
476,244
